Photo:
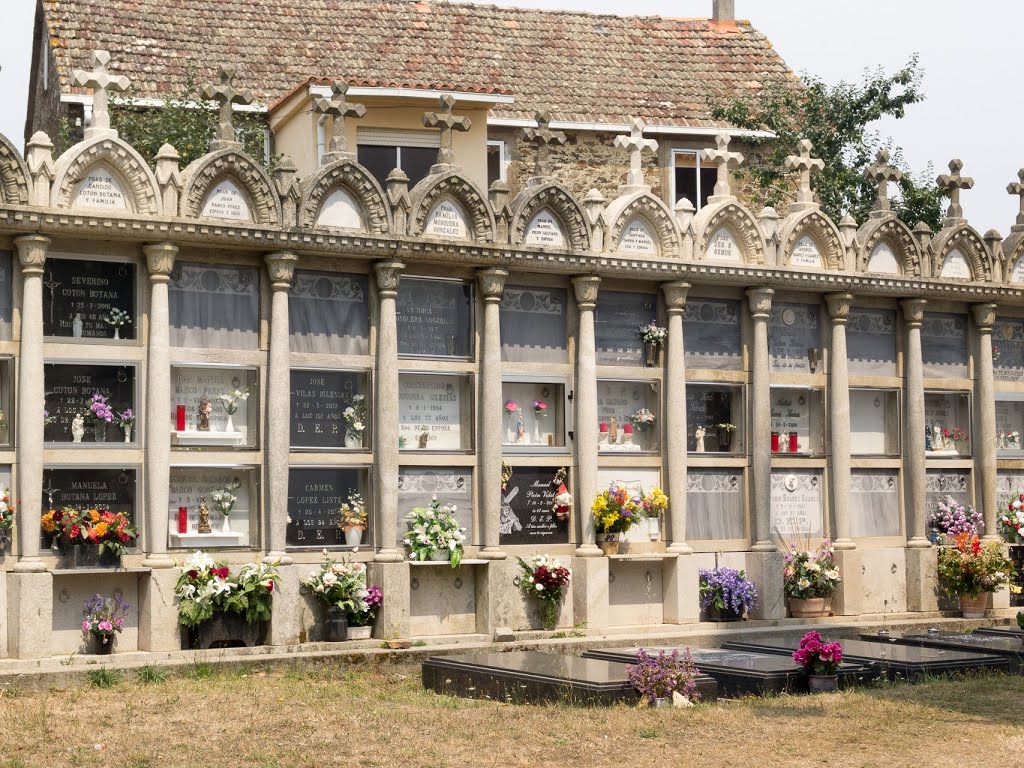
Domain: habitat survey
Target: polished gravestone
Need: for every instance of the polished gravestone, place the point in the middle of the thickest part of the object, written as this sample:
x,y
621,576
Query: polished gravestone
x,y
1007,631
1006,646
888,658
531,676
740,673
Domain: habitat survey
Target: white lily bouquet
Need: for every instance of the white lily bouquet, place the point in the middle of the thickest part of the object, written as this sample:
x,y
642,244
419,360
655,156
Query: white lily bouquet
x,y
223,498
230,400
434,530
116,318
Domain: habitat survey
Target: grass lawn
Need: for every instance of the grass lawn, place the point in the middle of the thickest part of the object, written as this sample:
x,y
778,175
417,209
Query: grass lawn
x,y
327,714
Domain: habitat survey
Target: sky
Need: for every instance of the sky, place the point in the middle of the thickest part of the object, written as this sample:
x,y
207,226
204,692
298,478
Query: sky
x,y
967,50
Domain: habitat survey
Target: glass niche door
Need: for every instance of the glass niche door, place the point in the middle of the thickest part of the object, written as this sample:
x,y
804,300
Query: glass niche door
x,y
533,415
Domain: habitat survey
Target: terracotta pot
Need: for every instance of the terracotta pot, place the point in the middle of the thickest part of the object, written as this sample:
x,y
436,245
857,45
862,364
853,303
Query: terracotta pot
x,y
973,607
822,683
810,608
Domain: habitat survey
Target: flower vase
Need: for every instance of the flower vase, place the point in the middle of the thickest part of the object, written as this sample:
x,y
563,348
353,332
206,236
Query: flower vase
x,y
823,683
549,612
226,525
609,543
127,434
440,556
230,425
354,536
724,614
973,607
103,645
352,440
650,353
810,608
536,431
335,625
117,333
100,431
360,633
725,440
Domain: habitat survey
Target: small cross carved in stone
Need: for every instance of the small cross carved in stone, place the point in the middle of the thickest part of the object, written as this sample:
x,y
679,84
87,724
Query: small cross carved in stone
x,y
954,182
102,84
338,108
543,136
882,173
635,144
805,165
225,94
1017,188
726,160
447,123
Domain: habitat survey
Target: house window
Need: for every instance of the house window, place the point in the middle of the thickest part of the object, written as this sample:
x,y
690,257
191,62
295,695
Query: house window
x,y
691,178
381,151
496,161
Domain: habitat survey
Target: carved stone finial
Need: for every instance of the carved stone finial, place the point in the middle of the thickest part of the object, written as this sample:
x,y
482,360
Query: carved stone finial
x,y
338,108
954,182
447,123
102,84
726,160
1017,188
544,137
636,145
168,176
225,94
882,173
805,165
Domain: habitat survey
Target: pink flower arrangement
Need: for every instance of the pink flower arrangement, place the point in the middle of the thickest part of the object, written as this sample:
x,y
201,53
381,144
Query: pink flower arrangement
x,y
511,406
539,408
817,657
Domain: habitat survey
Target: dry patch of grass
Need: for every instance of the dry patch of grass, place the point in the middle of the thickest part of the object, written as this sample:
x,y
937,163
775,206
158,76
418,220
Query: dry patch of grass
x,y
327,714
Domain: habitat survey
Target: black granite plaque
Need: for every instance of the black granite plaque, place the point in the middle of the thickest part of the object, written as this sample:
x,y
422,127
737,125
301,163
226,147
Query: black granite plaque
x,y
79,294
871,341
435,317
706,407
70,388
1007,631
526,509
944,344
794,330
90,488
315,495
319,400
1008,349
711,330
617,323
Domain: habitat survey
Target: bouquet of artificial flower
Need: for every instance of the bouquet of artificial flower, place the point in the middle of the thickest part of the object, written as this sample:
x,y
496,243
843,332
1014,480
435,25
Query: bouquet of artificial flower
x,y
339,582
223,498
661,676
540,408
544,577
816,657
971,568
355,415
353,512
7,511
952,517
726,589
104,616
810,574
653,333
642,419
511,406
111,532
205,588
99,408
434,529
126,418
1011,522
615,509
116,318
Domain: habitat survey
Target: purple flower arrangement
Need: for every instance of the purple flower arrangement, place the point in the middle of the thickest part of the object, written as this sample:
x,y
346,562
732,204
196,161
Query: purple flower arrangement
x,y
952,517
816,657
100,409
104,617
658,677
727,589
373,600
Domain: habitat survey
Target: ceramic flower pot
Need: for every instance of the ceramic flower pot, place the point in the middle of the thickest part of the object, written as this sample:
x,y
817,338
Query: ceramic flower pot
x,y
609,543
810,607
335,625
973,607
440,556
360,633
354,536
822,683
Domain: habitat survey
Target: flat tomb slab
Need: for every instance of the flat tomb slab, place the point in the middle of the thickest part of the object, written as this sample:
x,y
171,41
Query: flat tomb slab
x,y
1009,647
534,677
741,673
1009,631
891,659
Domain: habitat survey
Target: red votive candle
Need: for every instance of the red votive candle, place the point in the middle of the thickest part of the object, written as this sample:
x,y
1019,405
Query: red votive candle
x,y
792,442
180,419
775,442
182,517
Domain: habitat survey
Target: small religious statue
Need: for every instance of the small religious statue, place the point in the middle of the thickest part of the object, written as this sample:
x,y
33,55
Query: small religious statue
x,y
928,439
205,409
204,517
76,326
423,438
613,431
77,428
1002,441
698,435
938,443
520,429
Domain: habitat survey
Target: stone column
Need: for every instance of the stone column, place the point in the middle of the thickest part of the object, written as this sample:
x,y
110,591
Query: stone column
x,y
839,410
492,284
675,416
385,410
585,427
985,408
281,267
761,422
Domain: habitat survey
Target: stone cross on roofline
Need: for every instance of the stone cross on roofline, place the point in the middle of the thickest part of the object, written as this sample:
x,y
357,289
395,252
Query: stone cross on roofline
x,y
726,160
543,136
338,108
954,182
447,123
102,84
882,173
225,94
635,144
806,165
1017,188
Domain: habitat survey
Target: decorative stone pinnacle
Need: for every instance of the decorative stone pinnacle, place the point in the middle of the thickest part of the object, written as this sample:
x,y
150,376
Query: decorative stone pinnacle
x,y
635,144
725,159
543,136
338,108
102,84
225,95
806,165
882,173
1017,188
954,182
447,123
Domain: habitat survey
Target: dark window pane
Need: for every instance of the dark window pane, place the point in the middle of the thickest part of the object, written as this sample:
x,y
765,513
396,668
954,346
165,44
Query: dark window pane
x,y
379,161
493,163
707,185
416,162
686,185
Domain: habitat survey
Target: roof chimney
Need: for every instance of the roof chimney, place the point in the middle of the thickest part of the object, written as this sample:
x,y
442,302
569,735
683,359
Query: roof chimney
x,y
723,10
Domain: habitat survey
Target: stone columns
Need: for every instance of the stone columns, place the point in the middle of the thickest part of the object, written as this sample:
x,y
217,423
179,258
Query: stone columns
x,y
913,437
839,410
385,413
492,284
761,422
985,408
281,267
585,398
675,416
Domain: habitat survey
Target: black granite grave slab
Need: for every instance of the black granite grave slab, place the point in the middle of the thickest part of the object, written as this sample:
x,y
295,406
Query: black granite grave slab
x,y
534,677
1008,631
889,659
1006,646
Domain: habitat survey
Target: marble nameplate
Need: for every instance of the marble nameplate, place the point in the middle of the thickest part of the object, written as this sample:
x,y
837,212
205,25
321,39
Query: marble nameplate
x,y
416,487
527,516
796,502
871,341
329,313
794,337
79,295
533,327
944,345
430,412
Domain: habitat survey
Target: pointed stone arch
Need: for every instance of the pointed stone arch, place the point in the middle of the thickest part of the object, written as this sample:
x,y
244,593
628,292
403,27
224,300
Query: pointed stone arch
x,y
549,217
888,247
342,194
811,240
450,206
105,174
1013,258
14,175
638,221
960,254
727,231
231,186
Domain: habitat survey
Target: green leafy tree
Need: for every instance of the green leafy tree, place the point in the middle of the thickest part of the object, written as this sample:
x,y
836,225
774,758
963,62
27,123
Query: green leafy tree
x,y
838,120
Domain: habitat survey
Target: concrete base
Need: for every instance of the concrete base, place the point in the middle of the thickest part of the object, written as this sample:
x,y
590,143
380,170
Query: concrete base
x,y
999,600
681,584
849,598
29,614
765,570
590,591
393,580
158,611
922,579
3,611
285,622
495,595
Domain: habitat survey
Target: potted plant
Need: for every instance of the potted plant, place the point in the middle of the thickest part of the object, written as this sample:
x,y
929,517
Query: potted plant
x,y
89,538
820,661
811,578
658,678
435,534
117,319
7,515
726,594
544,578
971,570
653,336
950,517
353,519
230,401
1011,522
355,422
725,436
102,414
341,586
222,610
103,620
126,421
360,619
615,511
224,500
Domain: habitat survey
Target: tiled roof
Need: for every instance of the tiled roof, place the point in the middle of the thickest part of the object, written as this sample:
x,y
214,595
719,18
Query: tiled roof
x,y
582,67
